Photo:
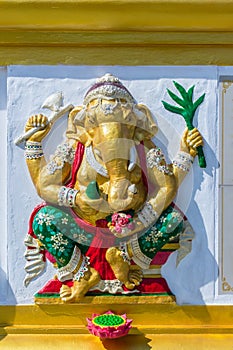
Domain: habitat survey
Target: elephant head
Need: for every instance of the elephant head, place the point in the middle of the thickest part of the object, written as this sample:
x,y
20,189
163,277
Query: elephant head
x,y
112,124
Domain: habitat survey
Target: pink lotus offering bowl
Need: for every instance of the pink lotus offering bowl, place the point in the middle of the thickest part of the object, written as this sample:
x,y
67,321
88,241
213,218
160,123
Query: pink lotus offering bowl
x,y
109,325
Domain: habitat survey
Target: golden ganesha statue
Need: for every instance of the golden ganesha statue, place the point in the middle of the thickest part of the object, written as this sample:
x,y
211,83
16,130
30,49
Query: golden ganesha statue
x,y
107,193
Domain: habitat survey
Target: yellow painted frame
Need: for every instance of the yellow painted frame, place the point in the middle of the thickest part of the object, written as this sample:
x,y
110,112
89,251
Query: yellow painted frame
x,y
116,32
155,32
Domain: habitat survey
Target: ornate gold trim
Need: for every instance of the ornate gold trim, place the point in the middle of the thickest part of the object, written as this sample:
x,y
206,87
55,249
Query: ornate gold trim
x,y
226,287
226,84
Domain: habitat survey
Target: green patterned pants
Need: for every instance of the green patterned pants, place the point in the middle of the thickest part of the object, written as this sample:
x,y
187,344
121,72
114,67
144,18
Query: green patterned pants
x,y
59,233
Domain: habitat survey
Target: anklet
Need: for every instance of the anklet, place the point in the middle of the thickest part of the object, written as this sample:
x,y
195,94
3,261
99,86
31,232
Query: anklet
x,y
138,257
67,272
124,252
83,268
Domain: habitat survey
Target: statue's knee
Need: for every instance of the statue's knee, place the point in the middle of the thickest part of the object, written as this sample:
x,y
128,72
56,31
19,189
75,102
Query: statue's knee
x,y
43,221
171,220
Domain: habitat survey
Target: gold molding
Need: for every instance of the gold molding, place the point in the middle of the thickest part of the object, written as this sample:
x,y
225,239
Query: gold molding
x,y
159,315
115,300
154,326
114,53
117,15
101,32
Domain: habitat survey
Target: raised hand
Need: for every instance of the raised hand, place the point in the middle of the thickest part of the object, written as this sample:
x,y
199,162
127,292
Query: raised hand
x,y
40,121
191,140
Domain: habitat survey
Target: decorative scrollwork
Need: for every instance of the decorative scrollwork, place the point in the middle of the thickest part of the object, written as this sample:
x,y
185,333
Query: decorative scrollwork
x,y
226,287
226,85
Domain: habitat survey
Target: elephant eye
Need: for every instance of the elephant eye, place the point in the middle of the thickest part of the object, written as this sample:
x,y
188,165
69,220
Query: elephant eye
x,y
125,103
93,104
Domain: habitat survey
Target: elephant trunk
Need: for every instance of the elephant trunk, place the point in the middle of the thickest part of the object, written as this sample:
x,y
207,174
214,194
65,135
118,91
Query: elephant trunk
x,y
121,190
116,156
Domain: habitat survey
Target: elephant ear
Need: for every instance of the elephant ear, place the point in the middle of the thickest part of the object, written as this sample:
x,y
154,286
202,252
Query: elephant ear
x,y
146,127
75,129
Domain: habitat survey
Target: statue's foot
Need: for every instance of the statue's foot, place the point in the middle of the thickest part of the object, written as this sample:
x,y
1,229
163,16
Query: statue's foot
x,y
130,278
135,276
80,288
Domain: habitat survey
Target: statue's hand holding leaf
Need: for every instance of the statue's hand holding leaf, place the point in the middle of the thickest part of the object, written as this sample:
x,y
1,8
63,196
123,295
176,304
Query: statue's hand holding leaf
x,y
190,141
187,108
40,121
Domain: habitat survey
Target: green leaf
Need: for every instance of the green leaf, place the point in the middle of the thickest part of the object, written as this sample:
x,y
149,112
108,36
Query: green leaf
x,y
190,93
172,109
198,102
178,100
187,113
181,90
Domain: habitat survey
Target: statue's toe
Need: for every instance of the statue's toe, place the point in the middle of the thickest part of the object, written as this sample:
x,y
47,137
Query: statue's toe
x,y
129,285
65,292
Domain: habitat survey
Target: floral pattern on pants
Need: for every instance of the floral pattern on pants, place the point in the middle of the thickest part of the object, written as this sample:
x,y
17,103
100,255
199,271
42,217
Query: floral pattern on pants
x,y
167,227
58,232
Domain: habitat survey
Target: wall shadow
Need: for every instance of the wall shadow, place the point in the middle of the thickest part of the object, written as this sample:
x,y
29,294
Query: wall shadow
x,y
200,262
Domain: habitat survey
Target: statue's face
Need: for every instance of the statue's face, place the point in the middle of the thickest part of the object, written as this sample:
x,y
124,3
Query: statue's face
x,y
112,125
107,114
115,127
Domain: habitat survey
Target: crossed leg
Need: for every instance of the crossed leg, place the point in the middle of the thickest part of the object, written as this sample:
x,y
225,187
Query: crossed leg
x,y
130,278
80,288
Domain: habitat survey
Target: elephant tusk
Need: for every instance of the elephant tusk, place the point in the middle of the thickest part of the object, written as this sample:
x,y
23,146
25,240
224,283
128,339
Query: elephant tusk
x,y
139,114
132,188
132,158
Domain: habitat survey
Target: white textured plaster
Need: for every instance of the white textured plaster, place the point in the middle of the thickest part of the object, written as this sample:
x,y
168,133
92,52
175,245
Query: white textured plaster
x,y
193,281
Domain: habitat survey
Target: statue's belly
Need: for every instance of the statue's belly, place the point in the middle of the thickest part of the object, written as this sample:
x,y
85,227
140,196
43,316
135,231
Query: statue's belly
x,y
87,174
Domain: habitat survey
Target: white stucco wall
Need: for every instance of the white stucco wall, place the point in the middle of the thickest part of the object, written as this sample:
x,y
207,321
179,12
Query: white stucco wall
x,y
194,280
